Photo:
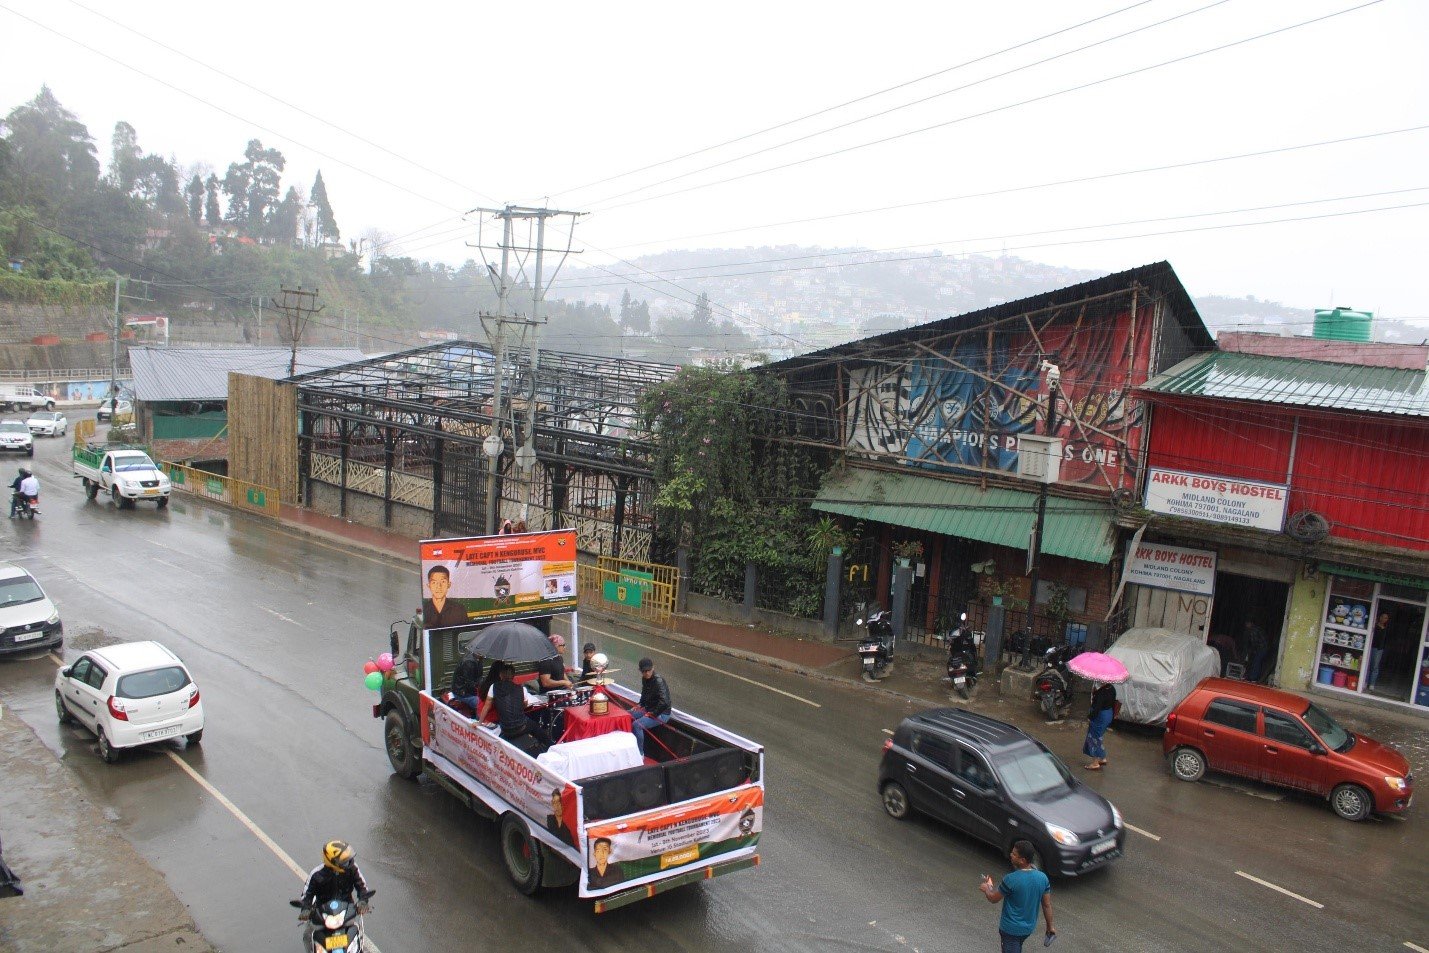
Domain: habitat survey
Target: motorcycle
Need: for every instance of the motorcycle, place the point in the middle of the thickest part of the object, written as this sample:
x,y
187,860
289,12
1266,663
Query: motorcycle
x,y
963,668
27,507
1054,683
875,644
334,925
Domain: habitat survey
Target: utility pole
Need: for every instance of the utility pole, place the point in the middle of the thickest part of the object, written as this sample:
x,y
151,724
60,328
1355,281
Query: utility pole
x,y
495,326
1049,473
297,307
118,327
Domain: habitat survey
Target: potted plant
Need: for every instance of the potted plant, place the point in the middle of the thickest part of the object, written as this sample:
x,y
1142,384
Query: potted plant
x,y
907,550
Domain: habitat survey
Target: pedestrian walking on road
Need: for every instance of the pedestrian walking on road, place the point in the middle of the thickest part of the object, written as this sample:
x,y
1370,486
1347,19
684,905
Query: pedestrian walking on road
x,y
1021,893
1098,721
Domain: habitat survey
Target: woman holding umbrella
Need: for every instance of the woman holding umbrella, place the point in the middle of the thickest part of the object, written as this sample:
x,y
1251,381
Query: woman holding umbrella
x,y
1103,671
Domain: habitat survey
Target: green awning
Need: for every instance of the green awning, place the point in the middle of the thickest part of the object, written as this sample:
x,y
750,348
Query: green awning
x,y
1076,529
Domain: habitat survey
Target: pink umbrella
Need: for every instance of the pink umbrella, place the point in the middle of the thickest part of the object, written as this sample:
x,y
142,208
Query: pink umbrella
x,y
1098,667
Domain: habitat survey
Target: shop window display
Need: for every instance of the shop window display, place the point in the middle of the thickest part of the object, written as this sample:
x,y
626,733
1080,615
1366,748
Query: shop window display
x,y
1372,641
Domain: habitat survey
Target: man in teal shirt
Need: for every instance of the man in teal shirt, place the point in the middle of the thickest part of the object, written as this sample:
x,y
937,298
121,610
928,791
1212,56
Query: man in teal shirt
x,y
1020,892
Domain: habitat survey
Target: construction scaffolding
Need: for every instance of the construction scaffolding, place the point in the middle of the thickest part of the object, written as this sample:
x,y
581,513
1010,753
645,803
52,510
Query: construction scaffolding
x,y
400,441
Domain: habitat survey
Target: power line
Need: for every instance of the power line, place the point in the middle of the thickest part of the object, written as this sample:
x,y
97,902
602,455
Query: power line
x,y
998,109
859,99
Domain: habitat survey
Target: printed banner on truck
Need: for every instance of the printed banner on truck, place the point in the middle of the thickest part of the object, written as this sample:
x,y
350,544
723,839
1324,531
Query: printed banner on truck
x,y
1216,499
635,847
495,578
530,788
1171,567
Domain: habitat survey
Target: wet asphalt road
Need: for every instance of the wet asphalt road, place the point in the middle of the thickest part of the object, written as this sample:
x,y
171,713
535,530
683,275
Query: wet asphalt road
x,y
276,626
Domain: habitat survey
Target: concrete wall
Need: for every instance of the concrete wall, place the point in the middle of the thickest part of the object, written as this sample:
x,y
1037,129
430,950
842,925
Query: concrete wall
x,y
407,520
722,610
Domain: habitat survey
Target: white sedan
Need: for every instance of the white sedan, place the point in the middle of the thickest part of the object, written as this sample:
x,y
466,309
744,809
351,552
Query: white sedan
x,y
48,423
130,694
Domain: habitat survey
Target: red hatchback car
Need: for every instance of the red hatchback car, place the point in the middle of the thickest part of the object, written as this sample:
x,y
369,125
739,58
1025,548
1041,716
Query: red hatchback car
x,y
1280,738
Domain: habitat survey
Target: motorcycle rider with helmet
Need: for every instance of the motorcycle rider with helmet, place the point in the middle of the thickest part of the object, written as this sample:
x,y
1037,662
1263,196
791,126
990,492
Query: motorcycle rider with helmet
x,y
336,878
23,486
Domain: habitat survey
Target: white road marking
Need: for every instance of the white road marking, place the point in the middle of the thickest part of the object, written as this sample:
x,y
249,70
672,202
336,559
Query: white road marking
x,y
712,668
1279,889
888,731
275,612
1415,946
1133,827
243,819
165,562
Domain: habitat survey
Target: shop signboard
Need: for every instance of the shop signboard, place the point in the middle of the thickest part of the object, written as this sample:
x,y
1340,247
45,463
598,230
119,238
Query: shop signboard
x,y
495,578
1171,567
1216,499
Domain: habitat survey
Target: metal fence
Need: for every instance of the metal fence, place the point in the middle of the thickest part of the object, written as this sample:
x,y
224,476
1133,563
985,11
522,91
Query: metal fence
x,y
643,590
226,490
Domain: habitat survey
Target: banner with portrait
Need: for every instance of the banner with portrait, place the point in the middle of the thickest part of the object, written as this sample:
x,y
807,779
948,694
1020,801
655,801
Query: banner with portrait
x,y
495,578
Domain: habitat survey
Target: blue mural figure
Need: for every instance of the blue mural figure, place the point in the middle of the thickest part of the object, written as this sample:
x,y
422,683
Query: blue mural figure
x,y
953,412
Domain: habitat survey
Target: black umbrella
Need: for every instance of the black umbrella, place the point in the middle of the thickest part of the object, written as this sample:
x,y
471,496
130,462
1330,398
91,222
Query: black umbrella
x,y
512,642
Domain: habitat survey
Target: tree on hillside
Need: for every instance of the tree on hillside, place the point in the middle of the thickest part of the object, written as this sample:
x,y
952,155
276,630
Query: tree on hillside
x,y
283,225
195,196
634,314
235,187
252,187
327,224
124,156
625,306
703,318
52,159
212,212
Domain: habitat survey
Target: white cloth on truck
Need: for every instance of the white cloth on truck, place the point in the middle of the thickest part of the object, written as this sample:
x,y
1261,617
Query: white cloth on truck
x,y
1164,666
588,757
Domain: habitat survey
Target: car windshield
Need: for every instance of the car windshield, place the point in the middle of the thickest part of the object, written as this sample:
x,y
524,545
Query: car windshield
x,y
19,589
160,681
12,426
1032,771
140,462
1328,729
50,417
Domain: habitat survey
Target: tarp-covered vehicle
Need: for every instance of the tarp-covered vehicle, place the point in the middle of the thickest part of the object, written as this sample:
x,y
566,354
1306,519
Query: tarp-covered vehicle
x,y
1164,667
593,811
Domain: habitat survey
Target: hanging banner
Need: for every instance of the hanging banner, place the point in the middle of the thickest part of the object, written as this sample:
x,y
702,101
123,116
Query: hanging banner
x,y
494,578
1171,567
642,844
1216,499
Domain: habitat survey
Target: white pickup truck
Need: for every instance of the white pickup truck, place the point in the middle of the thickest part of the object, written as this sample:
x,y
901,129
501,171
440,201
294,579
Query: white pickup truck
x,y
125,473
24,397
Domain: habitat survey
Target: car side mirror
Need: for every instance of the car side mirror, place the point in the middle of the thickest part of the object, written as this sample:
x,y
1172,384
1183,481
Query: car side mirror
x,y
65,671
396,646
1317,749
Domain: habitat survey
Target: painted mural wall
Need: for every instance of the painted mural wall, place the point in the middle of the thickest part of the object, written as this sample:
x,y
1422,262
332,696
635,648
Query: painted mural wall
x,y
965,404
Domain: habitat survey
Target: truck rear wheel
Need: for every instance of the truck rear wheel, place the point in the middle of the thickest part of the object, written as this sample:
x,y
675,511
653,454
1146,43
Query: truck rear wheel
x,y
91,489
400,750
522,855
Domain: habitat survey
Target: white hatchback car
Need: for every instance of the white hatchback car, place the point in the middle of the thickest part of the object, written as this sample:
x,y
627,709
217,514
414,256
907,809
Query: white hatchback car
x,y
131,694
48,423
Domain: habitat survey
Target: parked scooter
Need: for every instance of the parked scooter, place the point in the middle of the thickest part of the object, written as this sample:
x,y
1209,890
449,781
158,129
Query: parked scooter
x,y
963,668
333,925
876,642
1054,683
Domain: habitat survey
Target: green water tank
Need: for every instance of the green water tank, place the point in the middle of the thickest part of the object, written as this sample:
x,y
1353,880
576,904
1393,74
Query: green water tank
x,y
1343,324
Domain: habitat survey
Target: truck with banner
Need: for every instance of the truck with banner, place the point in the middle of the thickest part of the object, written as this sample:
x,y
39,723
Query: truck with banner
x,y
592,810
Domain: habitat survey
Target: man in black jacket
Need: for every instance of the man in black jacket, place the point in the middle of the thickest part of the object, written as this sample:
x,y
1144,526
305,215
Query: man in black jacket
x,y
336,878
466,680
654,708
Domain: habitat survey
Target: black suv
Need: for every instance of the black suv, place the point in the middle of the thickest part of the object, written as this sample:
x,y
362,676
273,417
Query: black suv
x,y
999,784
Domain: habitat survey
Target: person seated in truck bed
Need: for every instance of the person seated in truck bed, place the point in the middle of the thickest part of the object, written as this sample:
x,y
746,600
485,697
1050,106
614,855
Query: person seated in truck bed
x,y
466,680
509,701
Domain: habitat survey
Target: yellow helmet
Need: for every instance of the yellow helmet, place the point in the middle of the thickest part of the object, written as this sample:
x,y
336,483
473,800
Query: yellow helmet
x,y
338,856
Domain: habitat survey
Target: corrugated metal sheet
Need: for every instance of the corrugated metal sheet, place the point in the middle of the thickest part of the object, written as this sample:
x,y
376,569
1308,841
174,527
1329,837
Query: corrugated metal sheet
x,y
1077,529
162,374
1286,380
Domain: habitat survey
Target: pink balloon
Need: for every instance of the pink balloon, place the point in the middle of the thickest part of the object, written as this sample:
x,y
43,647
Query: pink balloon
x,y
369,668
384,662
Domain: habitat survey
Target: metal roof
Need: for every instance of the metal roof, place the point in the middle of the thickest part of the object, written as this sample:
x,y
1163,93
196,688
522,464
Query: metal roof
x,y
1076,529
1230,375
182,373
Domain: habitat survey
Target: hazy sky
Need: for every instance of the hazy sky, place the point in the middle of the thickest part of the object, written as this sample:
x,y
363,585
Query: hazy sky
x,y
464,104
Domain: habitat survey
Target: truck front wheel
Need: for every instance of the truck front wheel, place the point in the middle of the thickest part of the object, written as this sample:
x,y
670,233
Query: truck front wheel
x,y
523,857
400,750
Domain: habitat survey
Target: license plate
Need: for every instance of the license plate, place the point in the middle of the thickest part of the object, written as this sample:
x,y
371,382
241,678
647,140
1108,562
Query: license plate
x,y
158,733
338,942
150,492
960,680
29,636
1103,848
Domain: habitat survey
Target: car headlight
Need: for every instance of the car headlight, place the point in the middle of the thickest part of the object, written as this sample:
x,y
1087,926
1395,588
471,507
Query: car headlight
x,y
54,617
1115,815
1063,836
1395,781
